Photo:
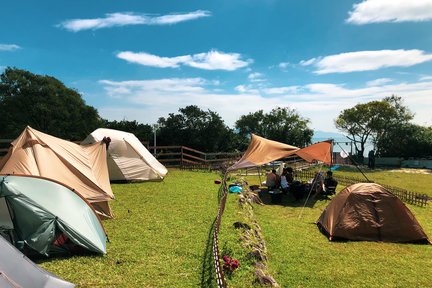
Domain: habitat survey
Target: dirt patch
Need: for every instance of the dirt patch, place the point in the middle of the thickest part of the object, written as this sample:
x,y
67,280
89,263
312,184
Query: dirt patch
x,y
412,170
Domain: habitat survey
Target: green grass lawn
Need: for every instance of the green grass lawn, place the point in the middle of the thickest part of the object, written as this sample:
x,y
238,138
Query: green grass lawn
x,y
300,256
160,238
157,239
415,182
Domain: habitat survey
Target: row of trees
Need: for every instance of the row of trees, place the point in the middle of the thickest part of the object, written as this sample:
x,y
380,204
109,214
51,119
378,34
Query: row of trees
x,y
46,104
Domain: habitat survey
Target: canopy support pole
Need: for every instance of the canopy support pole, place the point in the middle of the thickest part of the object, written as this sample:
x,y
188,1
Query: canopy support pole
x,y
355,163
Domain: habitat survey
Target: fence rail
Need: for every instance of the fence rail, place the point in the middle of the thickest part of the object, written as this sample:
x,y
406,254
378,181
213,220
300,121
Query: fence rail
x,y
406,196
189,158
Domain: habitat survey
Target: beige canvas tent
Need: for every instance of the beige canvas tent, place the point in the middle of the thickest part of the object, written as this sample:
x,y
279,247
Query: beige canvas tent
x,y
82,168
367,211
128,159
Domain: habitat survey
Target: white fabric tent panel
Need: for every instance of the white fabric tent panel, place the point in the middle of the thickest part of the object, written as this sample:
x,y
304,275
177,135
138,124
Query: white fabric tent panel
x,y
130,160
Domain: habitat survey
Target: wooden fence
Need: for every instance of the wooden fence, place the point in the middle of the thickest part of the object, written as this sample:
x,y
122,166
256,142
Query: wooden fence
x,y
188,158
406,196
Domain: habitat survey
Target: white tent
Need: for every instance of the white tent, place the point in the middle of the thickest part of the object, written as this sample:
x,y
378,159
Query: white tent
x,y
128,159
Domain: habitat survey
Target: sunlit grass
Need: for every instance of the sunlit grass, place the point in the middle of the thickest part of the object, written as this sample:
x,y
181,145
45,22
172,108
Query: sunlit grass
x,y
300,256
160,237
157,239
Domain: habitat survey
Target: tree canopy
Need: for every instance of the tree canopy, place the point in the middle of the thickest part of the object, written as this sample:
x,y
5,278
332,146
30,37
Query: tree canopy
x,y
196,128
372,120
141,131
406,140
280,124
44,103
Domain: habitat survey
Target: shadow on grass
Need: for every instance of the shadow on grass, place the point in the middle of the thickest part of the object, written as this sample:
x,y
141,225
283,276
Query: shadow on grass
x,y
208,279
39,259
289,200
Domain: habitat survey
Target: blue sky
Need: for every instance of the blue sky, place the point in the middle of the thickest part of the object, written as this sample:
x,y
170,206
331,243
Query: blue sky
x,y
140,60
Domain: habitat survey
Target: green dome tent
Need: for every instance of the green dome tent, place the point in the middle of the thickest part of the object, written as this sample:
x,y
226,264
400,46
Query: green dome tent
x,y
38,214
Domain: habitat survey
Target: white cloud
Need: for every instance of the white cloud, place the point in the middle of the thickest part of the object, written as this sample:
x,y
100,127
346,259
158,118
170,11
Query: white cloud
x,y
425,78
177,18
9,47
256,77
124,19
283,65
246,89
376,11
379,82
147,100
281,90
308,62
213,60
367,60
147,59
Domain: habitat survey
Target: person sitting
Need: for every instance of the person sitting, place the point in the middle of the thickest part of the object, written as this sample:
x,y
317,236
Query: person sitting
x,y
284,182
289,175
329,184
272,180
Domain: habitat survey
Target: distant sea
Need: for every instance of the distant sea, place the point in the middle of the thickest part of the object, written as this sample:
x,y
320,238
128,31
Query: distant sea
x,y
340,142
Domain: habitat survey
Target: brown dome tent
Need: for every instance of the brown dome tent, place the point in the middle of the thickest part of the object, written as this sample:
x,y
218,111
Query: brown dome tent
x,y
368,212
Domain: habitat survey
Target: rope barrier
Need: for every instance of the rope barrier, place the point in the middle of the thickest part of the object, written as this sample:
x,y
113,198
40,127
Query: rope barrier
x,y
220,278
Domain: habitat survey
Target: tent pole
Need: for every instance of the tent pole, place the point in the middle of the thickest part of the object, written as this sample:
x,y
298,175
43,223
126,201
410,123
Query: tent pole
x,y
310,192
259,174
331,151
355,164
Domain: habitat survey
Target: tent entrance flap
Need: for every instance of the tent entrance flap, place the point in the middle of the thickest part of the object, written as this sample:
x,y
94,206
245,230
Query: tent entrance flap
x,y
5,217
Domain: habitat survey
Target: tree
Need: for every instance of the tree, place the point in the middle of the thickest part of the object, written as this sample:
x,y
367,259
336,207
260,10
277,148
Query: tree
x,y
141,131
44,103
280,124
406,140
371,121
196,128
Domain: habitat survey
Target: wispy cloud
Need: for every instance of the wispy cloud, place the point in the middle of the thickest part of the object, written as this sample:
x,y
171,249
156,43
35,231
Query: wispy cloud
x,y
425,78
9,47
376,11
321,102
128,18
281,90
256,77
367,60
213,60
379,82
284,65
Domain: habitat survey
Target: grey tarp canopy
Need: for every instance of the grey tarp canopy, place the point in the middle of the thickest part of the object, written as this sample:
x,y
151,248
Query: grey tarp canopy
x,y
48,217
16,270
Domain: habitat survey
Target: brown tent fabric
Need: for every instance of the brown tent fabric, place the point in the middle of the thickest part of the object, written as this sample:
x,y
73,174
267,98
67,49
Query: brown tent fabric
x,y
83,168
368,212
262,151
320,151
